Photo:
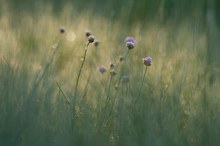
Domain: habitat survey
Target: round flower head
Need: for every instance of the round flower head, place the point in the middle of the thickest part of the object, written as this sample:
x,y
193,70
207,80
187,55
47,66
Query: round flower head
x,y
102,69
96,43
130,39
62,29
130,45
91,39
147,61
88,33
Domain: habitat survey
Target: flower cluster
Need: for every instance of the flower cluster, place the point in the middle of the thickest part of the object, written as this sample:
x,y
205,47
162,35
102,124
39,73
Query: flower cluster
x,y
91,38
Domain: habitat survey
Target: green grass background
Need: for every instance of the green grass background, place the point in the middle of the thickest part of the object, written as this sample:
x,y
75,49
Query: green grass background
x,y
176,105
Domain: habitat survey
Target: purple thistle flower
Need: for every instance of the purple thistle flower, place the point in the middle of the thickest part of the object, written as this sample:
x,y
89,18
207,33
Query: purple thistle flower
x,y
130,39
147,61
130,45
102,69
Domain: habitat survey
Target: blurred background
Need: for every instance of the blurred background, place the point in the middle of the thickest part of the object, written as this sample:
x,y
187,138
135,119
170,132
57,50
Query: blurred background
x,y
130,11
179,101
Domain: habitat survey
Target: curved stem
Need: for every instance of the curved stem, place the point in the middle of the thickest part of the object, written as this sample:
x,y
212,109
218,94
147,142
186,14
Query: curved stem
x,y
64,95
79,74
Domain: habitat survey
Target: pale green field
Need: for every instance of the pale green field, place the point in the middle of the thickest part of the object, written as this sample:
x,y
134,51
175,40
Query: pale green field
x,y
174,106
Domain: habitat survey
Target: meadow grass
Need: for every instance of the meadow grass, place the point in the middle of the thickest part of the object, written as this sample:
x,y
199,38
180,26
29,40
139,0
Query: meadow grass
x,y
169,104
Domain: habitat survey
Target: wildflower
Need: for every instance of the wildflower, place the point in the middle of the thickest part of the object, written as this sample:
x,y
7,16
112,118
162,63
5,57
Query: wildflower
x,y
102,69
125,79
112,72
62,29
88,33
147,61
130,45
91,39
96,43
130,39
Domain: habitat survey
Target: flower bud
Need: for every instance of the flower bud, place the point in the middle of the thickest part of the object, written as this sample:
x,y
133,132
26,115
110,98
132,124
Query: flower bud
x,y
91,39
88,33
102,69
147,61
96,43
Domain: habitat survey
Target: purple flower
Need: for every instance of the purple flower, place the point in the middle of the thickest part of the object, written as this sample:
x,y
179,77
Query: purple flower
x,y
130,39
102,69
147,61
130,45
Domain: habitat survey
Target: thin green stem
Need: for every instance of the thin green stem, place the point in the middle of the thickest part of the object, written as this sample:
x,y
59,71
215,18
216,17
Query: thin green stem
x,y
142,82
108,92
122,70
79,74
64,95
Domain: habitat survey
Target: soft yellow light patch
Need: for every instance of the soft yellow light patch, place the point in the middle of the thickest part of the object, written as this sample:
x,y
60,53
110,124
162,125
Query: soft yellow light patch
x,y
71,36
